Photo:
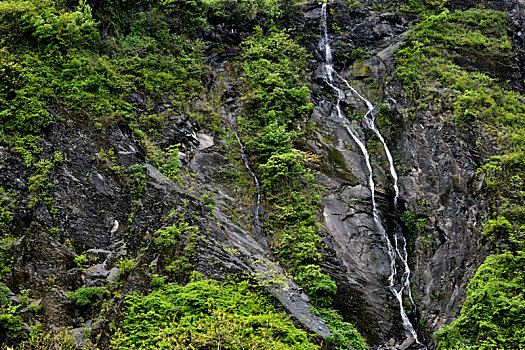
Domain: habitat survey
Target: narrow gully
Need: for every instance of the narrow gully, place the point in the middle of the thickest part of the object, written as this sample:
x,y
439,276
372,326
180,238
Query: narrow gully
x,y
258,227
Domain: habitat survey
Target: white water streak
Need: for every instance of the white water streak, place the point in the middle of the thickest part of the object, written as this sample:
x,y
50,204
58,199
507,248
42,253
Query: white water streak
x,y
369,118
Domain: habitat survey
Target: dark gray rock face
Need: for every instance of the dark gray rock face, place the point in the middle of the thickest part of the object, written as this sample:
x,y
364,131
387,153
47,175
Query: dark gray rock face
x,y
440,184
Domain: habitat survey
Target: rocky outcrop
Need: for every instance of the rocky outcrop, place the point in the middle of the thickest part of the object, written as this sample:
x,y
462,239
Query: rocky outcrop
x,y
98,213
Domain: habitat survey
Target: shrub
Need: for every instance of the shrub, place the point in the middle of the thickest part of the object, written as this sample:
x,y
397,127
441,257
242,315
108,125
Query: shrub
x,y
125,266
492,316
81,261
5,292
169,235
41,340
316,284
206,314
85,296
60,28
10,324
7,206
344,334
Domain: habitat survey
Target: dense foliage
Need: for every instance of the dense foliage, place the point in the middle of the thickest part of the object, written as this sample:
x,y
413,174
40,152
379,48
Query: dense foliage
x,y
206,314
344,334
493,315
276,103
52,55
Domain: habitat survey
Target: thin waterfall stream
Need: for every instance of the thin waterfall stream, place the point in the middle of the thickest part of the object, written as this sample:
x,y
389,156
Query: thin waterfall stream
x,y
257,224
256,215
399,247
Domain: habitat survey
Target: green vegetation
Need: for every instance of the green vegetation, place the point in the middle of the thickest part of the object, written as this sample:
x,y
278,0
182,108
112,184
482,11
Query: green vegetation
x,y
42,340
40,184
81,62
429,65
11,327
86,296
413,223
276,103
423,7
344,334
6,242
7,207
4,294
176,241
170,235
57,59
274,81
137,174
427,69
82,261
56,55
492,316
205,314
10,324
8,201
125,266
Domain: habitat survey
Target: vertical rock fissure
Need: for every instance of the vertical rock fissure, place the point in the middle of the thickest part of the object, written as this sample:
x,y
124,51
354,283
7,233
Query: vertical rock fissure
x,y
399,247
257,224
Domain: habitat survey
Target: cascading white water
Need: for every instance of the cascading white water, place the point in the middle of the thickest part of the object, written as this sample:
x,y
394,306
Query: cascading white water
x,y
399,239
369,118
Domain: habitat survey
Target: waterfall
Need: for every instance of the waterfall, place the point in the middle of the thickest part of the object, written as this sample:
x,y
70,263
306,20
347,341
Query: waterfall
x,y
399,247
257,224
256,216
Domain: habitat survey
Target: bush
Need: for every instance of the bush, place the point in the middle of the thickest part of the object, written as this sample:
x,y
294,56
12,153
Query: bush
x,y
11,327
85,296
125,266
206,314
344,334
41,340
316,284
169,235
493,315
60,29
5,292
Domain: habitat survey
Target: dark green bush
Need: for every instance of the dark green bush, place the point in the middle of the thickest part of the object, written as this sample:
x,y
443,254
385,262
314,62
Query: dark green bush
x,y
11,327
316,284
4,294
344,333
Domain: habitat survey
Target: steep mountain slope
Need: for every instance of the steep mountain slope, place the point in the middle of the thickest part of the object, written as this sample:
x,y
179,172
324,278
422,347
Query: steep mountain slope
x,y
191,173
